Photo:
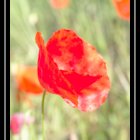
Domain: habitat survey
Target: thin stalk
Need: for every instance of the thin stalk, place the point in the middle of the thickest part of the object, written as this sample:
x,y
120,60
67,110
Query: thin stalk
x,y
43,114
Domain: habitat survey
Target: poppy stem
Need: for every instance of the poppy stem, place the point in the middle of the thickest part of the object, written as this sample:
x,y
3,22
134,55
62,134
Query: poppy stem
x,y
43,114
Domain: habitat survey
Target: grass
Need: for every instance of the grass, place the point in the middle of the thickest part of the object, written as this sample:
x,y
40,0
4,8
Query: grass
x,y
97,22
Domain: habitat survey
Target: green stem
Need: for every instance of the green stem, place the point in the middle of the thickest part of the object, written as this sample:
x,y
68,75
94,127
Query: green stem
x,y
43,130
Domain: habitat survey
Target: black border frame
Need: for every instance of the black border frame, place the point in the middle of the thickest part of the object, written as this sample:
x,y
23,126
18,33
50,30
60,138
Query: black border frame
x,y
6,69
132,93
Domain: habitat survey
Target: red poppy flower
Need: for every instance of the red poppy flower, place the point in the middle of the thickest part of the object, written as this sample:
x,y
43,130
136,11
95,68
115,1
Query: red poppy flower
x,y
123,8
70,67
59,4
27,80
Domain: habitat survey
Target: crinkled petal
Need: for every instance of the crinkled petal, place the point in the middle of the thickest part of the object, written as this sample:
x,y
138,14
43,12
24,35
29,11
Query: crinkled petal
x,y
72,68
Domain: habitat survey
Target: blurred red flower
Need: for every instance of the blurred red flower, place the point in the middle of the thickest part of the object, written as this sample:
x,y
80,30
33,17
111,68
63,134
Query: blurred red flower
x,y
27,80
17,121
59,4
123,8
70,67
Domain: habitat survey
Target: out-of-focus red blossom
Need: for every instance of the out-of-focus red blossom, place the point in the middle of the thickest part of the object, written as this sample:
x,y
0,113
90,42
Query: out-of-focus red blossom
x,y
123,8
18,120
27,80
59,4
70,67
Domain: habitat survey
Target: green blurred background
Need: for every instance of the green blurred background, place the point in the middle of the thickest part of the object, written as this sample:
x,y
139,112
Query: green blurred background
x,y
98,23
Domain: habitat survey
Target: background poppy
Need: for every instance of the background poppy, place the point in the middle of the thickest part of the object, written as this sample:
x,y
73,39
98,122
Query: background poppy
x,y
17,120
59,4
122,8
27,80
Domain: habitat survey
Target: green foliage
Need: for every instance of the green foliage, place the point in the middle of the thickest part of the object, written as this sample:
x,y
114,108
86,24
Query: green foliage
x,y
97,22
